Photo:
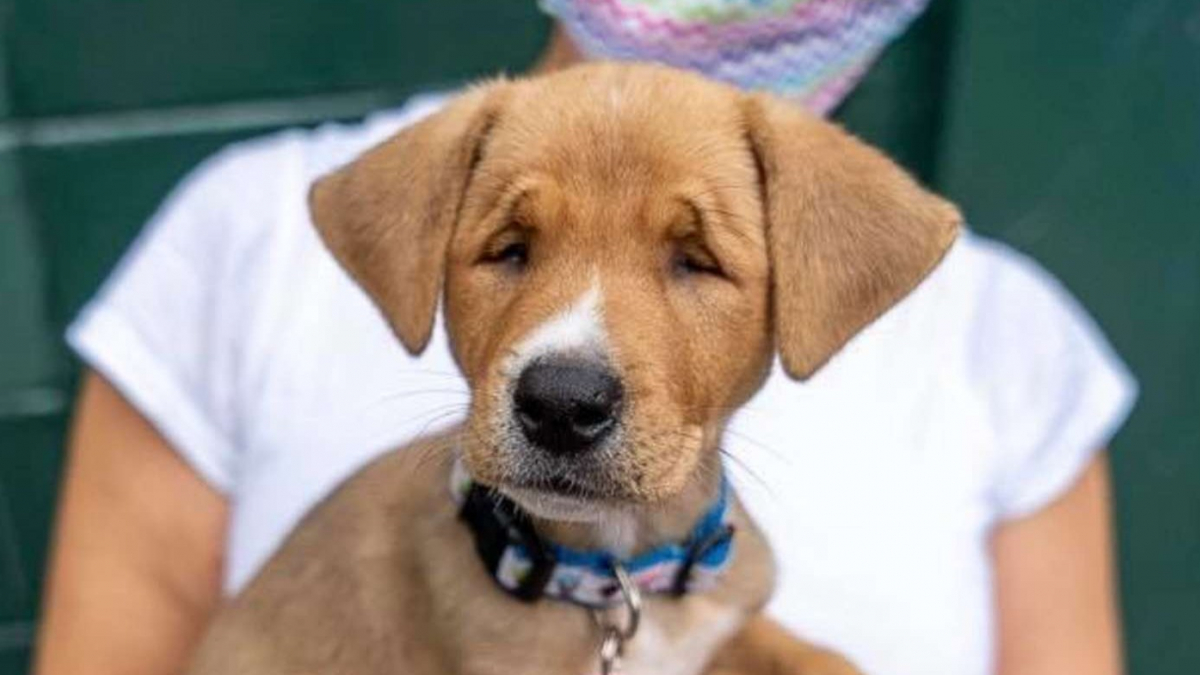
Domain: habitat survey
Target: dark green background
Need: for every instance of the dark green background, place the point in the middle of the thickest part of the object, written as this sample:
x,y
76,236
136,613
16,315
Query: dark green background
x,y
1071,130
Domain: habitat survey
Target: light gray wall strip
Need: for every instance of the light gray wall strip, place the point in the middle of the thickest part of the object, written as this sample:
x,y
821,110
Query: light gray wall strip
x,y
126,125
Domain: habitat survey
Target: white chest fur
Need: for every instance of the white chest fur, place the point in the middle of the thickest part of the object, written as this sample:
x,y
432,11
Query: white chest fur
x,y
683,650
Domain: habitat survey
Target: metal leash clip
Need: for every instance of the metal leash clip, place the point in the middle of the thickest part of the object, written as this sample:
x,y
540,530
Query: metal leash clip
x,y
612,644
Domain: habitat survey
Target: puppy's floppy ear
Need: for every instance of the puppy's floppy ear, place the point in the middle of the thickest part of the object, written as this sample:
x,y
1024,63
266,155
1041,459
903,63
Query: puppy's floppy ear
x,y
387,217
849,232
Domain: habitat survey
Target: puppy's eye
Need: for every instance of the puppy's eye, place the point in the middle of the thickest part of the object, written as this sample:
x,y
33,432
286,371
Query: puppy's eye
x,y
514,254
694,260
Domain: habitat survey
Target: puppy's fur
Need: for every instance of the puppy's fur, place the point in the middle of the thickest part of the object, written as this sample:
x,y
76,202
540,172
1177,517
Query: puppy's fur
x,y
677,230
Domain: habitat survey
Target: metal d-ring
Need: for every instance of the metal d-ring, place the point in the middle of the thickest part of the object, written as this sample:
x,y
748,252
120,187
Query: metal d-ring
x,y
615,636
610,651
632,595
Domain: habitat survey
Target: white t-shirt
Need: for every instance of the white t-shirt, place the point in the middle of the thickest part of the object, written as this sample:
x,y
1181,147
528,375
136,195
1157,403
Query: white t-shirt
x,y
978,399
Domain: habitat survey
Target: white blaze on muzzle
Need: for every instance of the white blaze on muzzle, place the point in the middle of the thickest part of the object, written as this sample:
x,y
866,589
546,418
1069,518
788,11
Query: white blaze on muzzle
x,y
577,331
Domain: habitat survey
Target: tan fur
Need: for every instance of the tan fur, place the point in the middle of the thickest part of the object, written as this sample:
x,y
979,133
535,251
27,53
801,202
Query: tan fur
x,y
609,175
850,234
763,647
383,578
406,193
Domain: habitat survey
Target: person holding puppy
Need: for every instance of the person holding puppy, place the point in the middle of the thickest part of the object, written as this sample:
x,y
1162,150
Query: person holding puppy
x,y
937,496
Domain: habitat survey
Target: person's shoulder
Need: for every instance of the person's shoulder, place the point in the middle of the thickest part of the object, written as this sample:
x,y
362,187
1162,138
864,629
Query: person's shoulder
x,y
265,165
330,145
1052,385
998,268
1000,321
253,192
1030,344
977,288
1013,303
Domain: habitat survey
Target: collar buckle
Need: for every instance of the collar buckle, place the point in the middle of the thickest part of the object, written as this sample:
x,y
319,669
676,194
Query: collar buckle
x,y
695,553
497,524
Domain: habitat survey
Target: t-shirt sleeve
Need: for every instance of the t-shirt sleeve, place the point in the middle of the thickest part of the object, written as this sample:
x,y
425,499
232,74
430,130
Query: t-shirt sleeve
x,y
167,327
1057,392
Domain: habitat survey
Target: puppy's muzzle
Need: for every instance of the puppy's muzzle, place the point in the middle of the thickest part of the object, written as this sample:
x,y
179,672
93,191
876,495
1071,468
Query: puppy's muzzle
x,y
567,407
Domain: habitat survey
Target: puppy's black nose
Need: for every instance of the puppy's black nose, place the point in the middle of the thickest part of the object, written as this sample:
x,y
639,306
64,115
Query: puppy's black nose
x,y
567,407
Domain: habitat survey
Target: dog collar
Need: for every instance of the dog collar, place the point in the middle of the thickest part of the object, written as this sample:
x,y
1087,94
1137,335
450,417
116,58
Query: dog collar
x,y
529,567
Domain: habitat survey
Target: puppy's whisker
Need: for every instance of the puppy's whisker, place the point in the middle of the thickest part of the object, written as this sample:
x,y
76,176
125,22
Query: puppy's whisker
x,y
422,417
359,413
429,454
708,470
409,371
464,402
440,417
742,436
741,466
413,393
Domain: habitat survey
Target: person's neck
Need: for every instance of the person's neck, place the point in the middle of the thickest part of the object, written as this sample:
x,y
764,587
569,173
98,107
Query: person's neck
x,y
559,53
629,531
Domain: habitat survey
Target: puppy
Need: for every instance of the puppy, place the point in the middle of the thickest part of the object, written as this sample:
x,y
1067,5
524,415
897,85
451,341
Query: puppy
x,y
620,252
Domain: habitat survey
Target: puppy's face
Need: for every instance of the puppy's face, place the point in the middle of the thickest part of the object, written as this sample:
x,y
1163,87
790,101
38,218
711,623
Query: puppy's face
x,y
607,290
621,248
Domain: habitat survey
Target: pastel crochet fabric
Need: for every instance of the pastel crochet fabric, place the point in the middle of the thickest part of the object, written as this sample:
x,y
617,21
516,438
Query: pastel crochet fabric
x,y
813,51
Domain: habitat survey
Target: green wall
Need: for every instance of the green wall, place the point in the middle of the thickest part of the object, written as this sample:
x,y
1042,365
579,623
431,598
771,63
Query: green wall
x,y
1073,133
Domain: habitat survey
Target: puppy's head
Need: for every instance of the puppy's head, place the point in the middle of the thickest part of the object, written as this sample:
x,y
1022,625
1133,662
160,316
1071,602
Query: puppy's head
x,y
622,249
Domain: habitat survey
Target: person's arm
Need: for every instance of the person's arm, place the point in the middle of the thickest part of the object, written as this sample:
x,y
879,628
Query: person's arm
x,y
1055,585
136,564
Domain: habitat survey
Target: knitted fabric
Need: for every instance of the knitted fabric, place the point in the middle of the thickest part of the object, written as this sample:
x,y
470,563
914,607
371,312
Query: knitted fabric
x,y
812,51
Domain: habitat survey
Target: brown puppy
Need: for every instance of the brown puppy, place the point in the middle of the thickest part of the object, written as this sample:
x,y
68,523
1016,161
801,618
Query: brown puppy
x,y
622,249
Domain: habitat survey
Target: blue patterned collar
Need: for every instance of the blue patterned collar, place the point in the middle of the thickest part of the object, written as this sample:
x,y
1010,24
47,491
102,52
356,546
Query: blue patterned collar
x,y
529,568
